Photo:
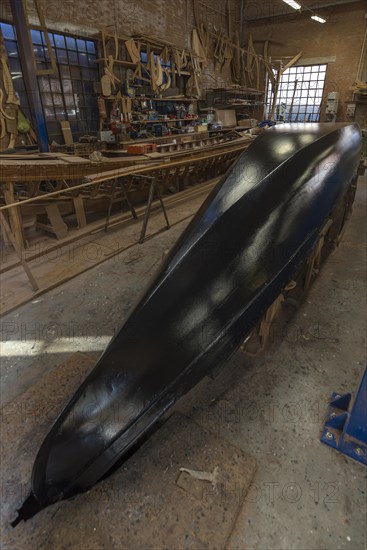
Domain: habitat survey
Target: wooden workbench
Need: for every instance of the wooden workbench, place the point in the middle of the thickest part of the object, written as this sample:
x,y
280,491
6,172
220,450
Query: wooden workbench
x,y
54,166
69,171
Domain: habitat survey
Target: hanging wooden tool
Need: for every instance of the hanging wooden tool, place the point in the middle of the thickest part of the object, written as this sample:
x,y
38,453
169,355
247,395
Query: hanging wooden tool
x,y
8,121
109,72
276,91
236,60
181,60
9,102
103,37
202,30
5,115
223,52
250,60
156,72
269,72
193,86
257,72
197,47
138,72
8,82
228,53
177,61
102,112
117,49
41,27
106,85
133,47
173,69
165,55
166,85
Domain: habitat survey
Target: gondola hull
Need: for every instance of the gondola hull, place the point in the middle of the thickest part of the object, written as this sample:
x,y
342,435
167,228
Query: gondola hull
x,y
237,254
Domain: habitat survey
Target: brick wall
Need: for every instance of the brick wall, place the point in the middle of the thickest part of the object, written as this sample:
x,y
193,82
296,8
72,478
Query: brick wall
x,y
341,36
171,20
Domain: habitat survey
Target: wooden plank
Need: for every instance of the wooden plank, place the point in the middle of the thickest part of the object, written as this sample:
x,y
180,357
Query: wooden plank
x,y
66,132
14,216
8,235
292,62
57,224
320,60
276,91
79,210
72,159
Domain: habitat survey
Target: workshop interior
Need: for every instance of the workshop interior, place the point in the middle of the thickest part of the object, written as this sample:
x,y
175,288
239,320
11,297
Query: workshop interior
x,y
183,200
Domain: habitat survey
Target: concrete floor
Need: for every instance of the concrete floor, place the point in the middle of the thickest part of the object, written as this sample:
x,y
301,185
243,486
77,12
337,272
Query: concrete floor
x,y
304,496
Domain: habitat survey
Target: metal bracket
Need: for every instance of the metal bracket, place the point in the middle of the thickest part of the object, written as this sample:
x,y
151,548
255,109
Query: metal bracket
x,y
347,431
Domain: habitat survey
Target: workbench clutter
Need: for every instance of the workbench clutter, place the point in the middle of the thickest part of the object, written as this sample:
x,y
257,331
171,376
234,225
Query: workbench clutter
x,y
144,88
144,116
149,87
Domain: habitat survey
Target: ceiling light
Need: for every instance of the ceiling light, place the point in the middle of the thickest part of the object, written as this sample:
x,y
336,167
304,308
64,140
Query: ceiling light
x,y
293,4
318,19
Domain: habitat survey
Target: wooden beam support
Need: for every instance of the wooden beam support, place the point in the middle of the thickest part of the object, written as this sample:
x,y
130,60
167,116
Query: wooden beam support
x,y
14,216
9,235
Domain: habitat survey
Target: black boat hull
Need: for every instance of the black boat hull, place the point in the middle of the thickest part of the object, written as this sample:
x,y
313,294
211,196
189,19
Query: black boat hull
x,y
232,261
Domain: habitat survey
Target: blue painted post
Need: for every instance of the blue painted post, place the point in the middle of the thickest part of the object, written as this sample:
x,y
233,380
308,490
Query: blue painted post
x,y
29,74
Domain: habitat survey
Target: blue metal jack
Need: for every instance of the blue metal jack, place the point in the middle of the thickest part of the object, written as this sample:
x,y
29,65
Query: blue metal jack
x,y
347,431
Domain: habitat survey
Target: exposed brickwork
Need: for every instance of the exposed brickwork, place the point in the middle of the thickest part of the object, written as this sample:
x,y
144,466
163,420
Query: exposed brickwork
x,y
341,36
171,20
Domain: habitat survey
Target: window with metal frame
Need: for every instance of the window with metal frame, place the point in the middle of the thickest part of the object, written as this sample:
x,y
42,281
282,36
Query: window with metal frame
x,y
66,95
300,94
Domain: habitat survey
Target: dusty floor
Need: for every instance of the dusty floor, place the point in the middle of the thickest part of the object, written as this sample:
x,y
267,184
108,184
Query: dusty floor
x,y
304,495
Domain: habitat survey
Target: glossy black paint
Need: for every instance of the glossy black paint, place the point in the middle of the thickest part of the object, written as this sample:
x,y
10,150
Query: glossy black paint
x,y
231,262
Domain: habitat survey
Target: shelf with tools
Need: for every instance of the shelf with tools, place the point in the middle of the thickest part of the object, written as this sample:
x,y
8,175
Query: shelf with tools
x,y
177,99
131,64
234,97
146,116
165,120
153,62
